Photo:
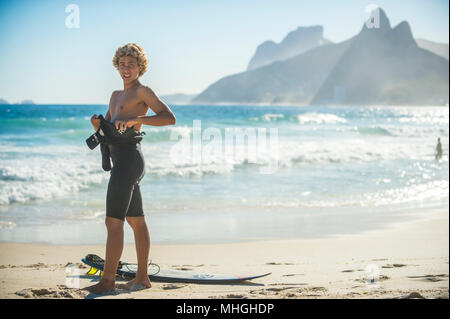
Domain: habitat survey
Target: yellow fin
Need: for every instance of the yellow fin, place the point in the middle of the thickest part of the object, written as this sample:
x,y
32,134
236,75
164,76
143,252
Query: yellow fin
x,y
92,271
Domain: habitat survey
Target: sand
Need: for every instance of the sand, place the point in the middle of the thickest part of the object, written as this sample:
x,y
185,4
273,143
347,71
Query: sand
x,y
406,260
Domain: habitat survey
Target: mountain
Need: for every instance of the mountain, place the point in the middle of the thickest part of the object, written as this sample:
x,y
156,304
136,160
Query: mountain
x,y
298,41
295,80
178,98
385,66
381,65
435,47
26,102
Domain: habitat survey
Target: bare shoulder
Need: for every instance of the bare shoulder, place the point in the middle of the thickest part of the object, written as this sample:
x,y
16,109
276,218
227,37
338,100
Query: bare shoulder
x,y
151,99
146,92
113,96
114,93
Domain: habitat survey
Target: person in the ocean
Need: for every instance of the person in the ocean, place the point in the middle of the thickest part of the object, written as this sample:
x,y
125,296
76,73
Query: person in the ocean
x,y
438,152
128,108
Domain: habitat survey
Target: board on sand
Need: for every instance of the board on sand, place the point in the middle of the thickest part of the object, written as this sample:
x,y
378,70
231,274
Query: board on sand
x,y
127,270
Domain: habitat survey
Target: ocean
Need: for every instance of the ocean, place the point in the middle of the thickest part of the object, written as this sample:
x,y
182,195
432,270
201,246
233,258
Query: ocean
x,y
299,172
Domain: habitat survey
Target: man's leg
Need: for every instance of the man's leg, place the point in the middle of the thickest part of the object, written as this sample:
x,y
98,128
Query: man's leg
x,y
114,248
142,241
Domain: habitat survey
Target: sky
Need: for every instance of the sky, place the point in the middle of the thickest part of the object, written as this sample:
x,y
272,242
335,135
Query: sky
x,y
190,43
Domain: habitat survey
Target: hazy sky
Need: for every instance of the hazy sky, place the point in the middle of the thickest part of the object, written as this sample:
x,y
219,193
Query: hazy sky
x,y
190,43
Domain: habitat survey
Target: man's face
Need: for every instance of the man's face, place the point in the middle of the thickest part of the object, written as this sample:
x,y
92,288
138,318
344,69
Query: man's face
x,y
128,68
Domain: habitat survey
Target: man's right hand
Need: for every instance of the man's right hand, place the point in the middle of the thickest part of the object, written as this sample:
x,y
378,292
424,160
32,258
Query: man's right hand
x,y
95,121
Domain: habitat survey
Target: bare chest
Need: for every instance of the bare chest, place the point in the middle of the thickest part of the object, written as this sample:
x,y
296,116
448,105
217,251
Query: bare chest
x,y
125,106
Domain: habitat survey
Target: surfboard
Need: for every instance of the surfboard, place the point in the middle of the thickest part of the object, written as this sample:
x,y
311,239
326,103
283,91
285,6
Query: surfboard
x,y
156,274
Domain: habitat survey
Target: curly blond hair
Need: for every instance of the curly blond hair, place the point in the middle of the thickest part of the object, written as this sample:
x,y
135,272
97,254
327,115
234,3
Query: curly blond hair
x,y
133,50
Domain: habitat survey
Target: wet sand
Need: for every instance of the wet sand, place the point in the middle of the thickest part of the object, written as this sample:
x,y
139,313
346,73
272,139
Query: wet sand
x,y
407,260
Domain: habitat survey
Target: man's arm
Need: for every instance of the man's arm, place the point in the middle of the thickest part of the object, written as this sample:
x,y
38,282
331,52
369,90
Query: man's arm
x,y
164,115
108,114
96,121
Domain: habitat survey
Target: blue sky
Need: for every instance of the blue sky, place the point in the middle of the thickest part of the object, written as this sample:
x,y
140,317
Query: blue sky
x,y
190,43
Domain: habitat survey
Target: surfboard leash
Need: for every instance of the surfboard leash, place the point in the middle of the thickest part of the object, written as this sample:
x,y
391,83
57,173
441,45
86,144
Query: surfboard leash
x,y
125,265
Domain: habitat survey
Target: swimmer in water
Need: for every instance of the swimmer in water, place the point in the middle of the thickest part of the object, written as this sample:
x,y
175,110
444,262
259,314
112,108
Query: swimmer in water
x,y
438,152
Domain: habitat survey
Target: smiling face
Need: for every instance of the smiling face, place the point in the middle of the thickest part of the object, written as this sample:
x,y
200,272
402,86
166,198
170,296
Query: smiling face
x,y
131,62
128,68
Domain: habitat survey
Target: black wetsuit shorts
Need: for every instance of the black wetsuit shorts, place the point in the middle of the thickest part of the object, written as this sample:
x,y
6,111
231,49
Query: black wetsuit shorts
x,y
123,198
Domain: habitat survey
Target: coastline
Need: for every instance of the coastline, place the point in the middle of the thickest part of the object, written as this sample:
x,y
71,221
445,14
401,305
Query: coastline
x,y
409,259
222,227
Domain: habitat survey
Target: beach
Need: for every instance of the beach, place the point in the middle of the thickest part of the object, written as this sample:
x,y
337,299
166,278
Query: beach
x,y
404,260
267,159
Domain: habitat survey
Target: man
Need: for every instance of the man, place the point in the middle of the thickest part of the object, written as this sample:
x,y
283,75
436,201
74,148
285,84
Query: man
x,y
438,153
128,108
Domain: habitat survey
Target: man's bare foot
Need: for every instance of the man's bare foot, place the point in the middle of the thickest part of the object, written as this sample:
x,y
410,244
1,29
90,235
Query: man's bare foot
x,y
136,284
103,287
